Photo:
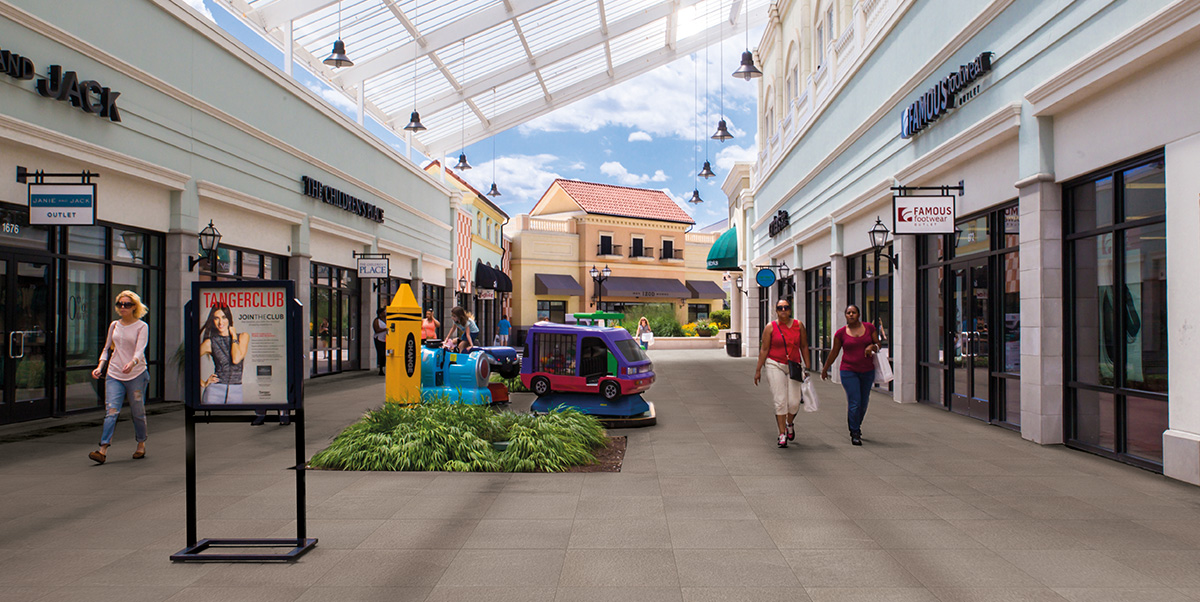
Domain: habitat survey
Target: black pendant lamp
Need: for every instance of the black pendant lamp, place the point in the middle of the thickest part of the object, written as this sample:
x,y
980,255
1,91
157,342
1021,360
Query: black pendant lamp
x,y
462,157
462,164
747,70
695,200
707,171
414,121
338,57
494,192
722,133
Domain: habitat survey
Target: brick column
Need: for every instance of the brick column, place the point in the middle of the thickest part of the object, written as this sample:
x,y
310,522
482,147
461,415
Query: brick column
x,y
903,337
1041,309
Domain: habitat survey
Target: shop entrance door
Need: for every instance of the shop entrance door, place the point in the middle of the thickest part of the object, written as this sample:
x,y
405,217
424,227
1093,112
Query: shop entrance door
x,y
25,299
970,316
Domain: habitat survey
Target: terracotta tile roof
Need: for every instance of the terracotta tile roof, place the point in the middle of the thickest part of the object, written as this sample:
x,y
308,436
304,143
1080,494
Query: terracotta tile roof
x,y
432,168
623,201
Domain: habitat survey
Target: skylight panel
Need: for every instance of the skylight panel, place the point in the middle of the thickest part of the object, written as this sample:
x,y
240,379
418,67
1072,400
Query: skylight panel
x,y
619,9
569,72
639,42
558,23
517,93
448,123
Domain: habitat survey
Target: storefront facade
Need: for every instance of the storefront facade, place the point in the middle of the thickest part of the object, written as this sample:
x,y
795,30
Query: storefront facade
x,y
1022,317
184,149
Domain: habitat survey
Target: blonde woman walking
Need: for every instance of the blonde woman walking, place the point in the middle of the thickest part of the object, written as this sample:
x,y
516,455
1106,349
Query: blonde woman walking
x,y
125,353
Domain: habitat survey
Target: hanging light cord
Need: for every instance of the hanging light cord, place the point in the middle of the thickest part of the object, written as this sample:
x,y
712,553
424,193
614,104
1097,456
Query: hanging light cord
x,y
493,125
463,111
417,52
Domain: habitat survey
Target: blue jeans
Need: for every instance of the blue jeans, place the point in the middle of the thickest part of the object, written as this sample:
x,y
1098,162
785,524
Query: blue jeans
x,y
115,393
858,392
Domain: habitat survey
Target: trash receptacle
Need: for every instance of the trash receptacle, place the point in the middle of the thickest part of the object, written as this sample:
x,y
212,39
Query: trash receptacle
x,y
733,344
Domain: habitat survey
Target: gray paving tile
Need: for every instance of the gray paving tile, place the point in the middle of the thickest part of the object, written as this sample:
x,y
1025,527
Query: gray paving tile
x,y
744,594
545,483
365,594
996,594
1118,535
520,534
858,486
1120,594
698,485
794,507
1026,534
620,507
420,534
619,594
115,593
746,568
491,594
1078,568
237,594
504,568
387,568
776,486
619,568
1172,568
445,506
533,505
836,568
962,568
874,594
619,484
627,533
882,507
917,534
304,572
726,507
141,568
815,534
718,534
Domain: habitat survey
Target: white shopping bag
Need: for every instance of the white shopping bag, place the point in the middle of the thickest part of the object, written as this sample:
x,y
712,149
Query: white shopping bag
x,y
648,338
883,368
808,394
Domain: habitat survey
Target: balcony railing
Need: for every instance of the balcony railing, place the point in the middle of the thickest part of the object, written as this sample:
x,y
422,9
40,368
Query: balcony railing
x,y
644,252
671,254
603,249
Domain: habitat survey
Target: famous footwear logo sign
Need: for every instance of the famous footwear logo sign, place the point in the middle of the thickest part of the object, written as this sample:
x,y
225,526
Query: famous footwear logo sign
x,y
923,214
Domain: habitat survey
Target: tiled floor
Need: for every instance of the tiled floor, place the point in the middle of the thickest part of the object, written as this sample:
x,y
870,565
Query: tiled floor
x,y
934,507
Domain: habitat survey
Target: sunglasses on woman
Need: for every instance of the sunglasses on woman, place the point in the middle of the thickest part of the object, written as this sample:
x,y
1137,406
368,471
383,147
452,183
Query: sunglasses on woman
x,y
782,307
125,304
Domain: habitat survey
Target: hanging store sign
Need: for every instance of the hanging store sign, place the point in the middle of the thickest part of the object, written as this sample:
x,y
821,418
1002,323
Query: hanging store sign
x,y
86,95
779,223
373,267
62,204
923,214
341,200
486,294
943,96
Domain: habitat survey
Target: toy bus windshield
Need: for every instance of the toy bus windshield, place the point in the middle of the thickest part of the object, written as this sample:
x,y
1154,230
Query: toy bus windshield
x,y
629,348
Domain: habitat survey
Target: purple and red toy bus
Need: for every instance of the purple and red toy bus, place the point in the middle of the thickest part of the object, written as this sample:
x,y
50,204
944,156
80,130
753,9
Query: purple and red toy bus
x,y
584,359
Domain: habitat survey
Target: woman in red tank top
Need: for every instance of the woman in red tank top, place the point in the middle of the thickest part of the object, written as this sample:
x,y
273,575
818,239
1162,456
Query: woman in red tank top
x,y
860,340
784,339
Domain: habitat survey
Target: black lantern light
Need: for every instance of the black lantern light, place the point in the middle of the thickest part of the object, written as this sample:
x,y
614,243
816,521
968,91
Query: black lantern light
x,y
462,164
707,171
722,132
494,192
695,200
741,285
210,239
338,57
462,284
414,123
599,276
879,234
747,70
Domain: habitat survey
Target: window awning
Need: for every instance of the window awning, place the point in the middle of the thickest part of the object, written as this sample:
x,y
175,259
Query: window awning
x,y
505,283
627,286
723,254
556,284
705,289
485,276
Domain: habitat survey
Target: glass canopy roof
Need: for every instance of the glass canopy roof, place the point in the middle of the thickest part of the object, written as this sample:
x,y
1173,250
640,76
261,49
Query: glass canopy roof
x,y
473,68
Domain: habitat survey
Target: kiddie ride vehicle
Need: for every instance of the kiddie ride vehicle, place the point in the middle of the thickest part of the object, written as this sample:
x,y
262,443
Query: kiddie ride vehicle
x,y
458,377
597,370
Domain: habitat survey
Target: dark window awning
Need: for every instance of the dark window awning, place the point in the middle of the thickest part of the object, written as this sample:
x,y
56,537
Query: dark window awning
x,y
705,289
723,254
556,284
485,276
505,283
627,286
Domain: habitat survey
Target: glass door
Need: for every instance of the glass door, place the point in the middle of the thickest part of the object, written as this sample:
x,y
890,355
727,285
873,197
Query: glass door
x,y
970,312
25,296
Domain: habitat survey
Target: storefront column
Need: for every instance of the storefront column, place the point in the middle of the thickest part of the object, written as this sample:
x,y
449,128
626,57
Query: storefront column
x,y
799,298
903,343
751,338
1041,309
839,295
182,244
1181,442
300,271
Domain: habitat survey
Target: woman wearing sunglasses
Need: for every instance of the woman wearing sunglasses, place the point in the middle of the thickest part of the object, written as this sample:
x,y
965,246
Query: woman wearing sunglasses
x,y
784,339
125,355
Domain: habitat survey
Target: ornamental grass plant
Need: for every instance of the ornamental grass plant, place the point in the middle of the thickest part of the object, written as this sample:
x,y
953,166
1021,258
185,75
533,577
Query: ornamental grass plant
x,y
442,436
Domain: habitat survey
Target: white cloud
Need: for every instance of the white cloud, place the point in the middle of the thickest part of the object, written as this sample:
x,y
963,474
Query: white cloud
x,y
732,153
640,137
576,166
201,8
614,169
521,179
334,98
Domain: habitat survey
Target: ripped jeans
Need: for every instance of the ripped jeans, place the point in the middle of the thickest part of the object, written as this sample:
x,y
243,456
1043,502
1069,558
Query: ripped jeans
x,y
115,393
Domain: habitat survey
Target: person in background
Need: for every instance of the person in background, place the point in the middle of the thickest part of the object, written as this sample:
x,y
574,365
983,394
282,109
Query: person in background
x,y
784,339
860,340
463,329
503,327
379,325
125,352
642,328
429,326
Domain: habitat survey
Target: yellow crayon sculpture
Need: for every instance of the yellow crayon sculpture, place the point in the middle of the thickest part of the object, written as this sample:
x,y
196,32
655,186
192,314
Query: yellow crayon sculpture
x,y
404,348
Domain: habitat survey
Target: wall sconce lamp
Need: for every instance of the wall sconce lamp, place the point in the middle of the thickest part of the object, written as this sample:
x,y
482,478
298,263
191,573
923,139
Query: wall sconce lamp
x,y
740,281
210,239
879,234
462,284
133,243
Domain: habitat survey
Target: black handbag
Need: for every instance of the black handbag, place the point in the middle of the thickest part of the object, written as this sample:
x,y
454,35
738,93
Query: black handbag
x,y
104,363
795,369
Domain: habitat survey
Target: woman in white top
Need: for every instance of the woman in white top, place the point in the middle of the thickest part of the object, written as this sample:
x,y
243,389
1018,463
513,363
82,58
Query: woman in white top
x,y
380,328
125,350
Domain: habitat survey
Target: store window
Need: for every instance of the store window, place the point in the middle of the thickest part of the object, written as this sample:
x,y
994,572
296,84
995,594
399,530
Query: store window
x,y
552,311
236,263
869,278
818,291
1116,311
434,297
334,319
697,312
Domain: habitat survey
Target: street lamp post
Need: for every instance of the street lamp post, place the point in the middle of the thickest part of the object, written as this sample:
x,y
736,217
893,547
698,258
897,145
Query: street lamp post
x,y
599,276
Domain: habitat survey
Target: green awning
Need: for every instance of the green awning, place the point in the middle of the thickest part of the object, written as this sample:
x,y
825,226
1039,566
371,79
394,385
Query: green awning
x,y
723,255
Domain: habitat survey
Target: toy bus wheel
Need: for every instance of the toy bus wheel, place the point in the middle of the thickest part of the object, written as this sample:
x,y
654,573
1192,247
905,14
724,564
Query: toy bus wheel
x,y
610,390
540,385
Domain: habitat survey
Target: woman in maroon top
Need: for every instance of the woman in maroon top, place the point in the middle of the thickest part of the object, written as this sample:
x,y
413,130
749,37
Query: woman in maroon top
x,y
860,341
784,339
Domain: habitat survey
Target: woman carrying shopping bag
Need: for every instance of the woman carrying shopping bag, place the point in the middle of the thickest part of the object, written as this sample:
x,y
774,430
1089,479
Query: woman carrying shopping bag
x,y
784,347
860,341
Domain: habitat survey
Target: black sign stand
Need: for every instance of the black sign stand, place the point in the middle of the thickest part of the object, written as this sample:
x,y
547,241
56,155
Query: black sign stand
x,y
195,546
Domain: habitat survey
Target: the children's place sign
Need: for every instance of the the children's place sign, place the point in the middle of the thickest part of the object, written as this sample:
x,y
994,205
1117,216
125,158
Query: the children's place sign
x,y
62,204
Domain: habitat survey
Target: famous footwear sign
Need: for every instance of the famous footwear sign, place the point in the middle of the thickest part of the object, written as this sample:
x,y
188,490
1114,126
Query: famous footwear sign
x,y
923,214
943,96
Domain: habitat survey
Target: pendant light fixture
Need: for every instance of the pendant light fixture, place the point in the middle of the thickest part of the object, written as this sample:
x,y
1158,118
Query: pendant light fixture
x,y
696,127
414,121
722,132
747,70
338,57
462,157
706,172
494,192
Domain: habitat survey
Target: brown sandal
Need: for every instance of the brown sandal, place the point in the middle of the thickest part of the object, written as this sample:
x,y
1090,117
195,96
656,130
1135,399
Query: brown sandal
x,y
138,455
98,457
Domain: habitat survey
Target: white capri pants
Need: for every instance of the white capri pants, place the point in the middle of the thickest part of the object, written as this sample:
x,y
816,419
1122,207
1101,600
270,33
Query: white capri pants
x,y
784,390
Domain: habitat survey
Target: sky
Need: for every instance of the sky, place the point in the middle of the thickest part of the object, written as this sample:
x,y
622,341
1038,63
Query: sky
x,y
652,131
